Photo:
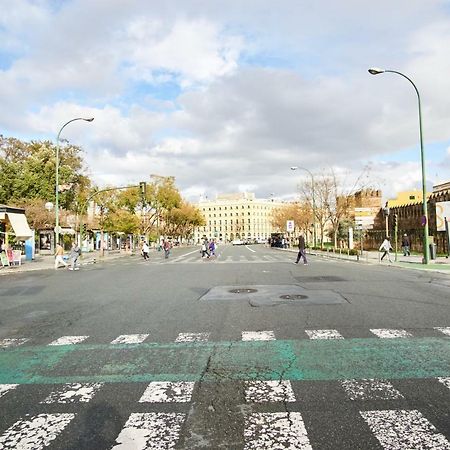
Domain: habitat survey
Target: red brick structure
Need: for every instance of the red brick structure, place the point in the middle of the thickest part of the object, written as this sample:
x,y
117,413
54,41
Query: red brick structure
x,y
409,218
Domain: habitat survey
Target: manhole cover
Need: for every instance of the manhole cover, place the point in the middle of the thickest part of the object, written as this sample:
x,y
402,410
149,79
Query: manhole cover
x,y
293,297
243,291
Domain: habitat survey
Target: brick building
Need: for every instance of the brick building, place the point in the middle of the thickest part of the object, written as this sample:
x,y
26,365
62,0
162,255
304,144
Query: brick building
x,y
409,217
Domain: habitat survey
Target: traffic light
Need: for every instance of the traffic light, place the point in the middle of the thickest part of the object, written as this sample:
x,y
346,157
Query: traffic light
x,y
395,220
84,228
143,189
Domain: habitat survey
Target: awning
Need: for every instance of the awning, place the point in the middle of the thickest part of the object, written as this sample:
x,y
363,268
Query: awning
x,y
20,226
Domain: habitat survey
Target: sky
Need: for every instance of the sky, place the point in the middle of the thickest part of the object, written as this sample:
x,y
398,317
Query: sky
x,y
226,96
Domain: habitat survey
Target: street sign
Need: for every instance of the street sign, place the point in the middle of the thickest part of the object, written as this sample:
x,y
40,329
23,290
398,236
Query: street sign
x,y
290,226
423,221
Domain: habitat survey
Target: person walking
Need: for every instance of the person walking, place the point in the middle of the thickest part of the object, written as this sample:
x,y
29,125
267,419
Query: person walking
x,y
59,253
301,250
205,248
212,248
166,247
386,247
406,245
75,252
145,250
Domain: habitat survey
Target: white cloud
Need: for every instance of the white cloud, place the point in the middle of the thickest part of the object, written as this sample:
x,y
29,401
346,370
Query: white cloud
x,y
229,98
193,51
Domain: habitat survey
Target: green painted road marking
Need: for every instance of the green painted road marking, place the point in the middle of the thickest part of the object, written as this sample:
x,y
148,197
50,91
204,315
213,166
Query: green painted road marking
x,y
223,361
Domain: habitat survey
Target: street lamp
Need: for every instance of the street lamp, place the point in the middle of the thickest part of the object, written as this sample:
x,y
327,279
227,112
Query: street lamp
x,y
426,250
313,200
57,176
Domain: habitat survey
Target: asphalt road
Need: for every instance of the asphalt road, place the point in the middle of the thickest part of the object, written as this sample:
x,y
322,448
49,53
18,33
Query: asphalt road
x,y
242,351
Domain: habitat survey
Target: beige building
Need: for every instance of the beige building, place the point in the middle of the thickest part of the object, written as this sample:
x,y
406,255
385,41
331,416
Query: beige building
x,y
236,216
406,198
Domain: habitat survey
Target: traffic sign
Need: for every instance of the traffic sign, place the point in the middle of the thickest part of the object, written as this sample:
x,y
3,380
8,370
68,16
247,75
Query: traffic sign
x,y
290,226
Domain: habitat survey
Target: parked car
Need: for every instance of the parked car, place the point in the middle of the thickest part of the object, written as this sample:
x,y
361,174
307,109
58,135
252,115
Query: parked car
x,y
237,242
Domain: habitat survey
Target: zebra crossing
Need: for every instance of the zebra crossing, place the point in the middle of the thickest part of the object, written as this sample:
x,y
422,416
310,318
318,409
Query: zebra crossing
x,y
272,412
260,335
220,258
393,428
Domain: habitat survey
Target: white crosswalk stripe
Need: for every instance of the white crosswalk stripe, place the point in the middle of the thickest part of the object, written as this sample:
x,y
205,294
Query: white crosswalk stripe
x,y
388,333
69,340
404,429
6,343
370,389
34,433
130,339
275,431
445,381
150,431
168,392
73,393
445,330
4,388
324,334
258,336
192,337
259,391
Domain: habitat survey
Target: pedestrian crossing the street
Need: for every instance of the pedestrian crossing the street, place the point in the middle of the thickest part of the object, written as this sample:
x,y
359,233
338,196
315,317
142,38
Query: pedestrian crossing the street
x,y
275,406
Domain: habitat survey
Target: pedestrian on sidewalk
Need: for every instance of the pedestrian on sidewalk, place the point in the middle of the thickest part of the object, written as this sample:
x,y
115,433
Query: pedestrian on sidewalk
x,y
74,254
145,250
301,250
59,253
406,245
386,247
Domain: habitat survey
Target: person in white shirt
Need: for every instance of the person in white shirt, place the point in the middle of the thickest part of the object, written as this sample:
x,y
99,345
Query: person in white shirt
x,y
386,248
145,250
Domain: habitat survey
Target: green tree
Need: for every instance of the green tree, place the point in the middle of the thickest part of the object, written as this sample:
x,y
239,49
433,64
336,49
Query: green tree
x,y
182,220
28,172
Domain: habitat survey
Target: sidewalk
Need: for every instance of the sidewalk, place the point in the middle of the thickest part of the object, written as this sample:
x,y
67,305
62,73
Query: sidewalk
x,y
45,262
441,264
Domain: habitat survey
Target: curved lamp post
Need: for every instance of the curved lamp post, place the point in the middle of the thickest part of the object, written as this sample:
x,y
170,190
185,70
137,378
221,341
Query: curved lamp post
x,y
57,176
426,249
313,200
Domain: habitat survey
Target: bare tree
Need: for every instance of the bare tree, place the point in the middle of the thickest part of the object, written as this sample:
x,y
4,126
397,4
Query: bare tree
x,y
333,199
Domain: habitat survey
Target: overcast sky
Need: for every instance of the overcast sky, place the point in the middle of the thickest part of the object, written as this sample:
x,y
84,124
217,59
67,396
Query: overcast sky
x,y
227,95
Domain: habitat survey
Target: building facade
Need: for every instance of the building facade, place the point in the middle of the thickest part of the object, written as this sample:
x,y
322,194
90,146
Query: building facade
x,y
236,216
409,218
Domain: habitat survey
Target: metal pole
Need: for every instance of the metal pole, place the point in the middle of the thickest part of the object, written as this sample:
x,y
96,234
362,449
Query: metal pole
x,y
57,176
426,249
447,232
57,191
314,209
395,238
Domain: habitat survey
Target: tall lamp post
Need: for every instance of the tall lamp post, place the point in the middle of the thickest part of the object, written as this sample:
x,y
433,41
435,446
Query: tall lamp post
x,y
57,176
313,200
426,249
